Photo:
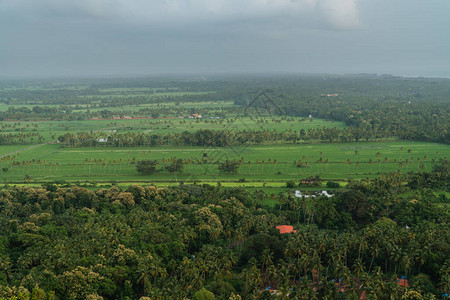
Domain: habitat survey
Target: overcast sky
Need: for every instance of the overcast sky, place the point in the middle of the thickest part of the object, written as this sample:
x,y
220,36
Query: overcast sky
x,y
138,37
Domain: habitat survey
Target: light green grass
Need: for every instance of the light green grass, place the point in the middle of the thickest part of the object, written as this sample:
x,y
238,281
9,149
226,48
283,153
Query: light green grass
x,y
50,130
127,108
143,93
130,109
12,148
50,162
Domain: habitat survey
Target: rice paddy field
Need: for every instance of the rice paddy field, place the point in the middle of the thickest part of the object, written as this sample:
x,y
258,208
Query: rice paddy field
x,y
50,130
261,165
39,158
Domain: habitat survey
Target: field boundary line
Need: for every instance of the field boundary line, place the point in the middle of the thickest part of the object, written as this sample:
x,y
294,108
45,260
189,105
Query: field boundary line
x,y
27,148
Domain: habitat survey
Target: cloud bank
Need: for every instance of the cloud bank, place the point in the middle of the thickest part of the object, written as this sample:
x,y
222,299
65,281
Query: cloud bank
x,y
336,14
69,37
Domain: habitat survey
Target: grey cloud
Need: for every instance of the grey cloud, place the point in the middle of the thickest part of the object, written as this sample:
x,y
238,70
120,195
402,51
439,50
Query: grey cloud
x,y
86,37
339,14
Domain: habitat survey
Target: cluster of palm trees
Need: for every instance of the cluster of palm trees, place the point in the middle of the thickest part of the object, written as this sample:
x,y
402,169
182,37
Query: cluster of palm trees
x,y
172,242
21,138
212,138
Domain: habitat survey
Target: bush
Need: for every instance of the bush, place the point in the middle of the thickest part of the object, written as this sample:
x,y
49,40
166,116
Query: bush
x,y
290,184
146,166
175,166
333,185
228,166
203,294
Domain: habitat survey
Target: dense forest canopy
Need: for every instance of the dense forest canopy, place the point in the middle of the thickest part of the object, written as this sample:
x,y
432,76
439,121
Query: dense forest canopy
x,y
121,243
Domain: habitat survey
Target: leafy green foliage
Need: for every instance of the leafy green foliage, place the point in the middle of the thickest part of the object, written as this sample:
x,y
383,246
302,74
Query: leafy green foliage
x,y
147,167
203,294
291,184
175,166
228,166
333,185
184,241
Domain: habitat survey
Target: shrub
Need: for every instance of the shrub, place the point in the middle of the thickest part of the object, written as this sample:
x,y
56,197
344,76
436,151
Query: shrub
x,y
146,166
290,184
333,185
228,166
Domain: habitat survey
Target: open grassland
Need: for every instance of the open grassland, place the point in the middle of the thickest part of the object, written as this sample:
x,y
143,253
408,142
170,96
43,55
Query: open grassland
x,y
269,163
6,150
211,105
125,94
50,130
125,108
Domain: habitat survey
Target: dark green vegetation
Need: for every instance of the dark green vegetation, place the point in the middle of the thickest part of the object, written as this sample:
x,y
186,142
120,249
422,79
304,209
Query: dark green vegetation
x,y
126,192
173,242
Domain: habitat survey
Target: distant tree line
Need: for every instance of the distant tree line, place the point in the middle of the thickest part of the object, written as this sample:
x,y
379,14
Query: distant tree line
x,y
218,138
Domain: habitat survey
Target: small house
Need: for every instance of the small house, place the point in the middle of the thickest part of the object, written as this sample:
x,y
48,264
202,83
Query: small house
x,y
308,181
285,229
403,281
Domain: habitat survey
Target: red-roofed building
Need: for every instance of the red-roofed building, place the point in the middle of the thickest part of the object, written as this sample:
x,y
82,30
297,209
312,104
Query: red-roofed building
x,y
285,229
402,282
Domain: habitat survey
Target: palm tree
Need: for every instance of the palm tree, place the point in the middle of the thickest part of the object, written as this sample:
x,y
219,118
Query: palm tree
x,y
348,163
358,267
375,250
266,260
252,279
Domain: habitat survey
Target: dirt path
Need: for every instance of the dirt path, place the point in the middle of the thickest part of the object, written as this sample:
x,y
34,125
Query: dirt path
x,y
27,148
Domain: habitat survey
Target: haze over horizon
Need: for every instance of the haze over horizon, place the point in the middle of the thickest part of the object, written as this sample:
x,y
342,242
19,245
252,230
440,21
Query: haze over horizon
x,y
136,37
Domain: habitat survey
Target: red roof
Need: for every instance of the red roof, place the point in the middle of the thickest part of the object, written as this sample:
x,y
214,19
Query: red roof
x,y
285,229
402,281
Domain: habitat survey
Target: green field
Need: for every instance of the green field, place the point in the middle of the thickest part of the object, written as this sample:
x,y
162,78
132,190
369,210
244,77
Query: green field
x,y
127,108
211,105
50,130
268,163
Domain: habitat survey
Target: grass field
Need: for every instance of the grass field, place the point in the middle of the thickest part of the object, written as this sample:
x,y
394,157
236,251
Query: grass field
x,y
269,164
148,96
50,130
211,105
128,108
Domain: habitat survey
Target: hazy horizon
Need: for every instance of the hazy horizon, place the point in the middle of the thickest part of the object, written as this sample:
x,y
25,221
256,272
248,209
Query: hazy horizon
x,y
198,76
